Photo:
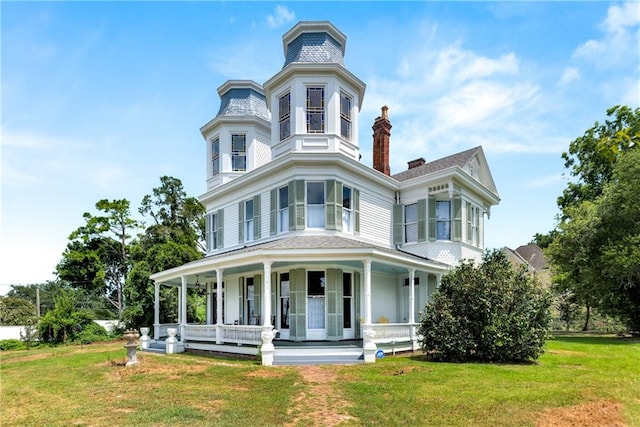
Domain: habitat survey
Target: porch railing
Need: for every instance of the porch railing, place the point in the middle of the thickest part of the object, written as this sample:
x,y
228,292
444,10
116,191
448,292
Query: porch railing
x,y
392,332
229,334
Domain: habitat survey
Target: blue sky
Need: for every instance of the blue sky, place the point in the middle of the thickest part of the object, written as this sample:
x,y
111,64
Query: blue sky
x,y
100,99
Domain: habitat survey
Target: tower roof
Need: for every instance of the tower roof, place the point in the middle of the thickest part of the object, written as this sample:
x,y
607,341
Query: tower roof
x,y
314,42
242,98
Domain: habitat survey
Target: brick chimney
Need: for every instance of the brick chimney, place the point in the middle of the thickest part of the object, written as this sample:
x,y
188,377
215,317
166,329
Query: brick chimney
x,y
381,133
417,162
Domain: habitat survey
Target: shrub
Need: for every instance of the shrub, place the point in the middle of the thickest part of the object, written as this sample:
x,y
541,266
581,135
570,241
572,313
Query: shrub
x,y
12,344
92,332
489,312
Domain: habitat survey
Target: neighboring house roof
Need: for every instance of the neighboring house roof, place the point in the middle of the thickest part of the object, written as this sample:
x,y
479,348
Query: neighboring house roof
x,y
533,255
459,159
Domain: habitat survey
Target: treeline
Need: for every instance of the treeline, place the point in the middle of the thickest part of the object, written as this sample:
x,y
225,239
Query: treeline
x,y
105,268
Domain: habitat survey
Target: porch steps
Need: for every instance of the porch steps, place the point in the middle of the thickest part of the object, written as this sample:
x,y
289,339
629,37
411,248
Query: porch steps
x,y
318,355
157,347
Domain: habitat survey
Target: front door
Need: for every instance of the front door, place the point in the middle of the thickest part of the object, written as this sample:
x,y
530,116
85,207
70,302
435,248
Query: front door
x,y
316,311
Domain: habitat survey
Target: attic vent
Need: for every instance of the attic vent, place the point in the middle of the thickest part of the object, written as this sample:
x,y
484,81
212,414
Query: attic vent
x,y
439,188
415,163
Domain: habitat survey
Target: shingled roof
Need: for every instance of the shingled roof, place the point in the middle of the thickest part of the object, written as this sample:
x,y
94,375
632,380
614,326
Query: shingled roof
x,y
533,255
459,159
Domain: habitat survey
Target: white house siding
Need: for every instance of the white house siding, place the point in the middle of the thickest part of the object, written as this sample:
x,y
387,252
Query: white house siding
x,y
262,149
232,299
375,218
265,214
231,226
383,295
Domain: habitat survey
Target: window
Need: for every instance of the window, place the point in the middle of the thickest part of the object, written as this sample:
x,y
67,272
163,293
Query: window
x,y
443,220
315,204
315,110
474,223
411,223
215,156
250,305
284,116
239,152
347,210
283,209
248,220
345,116
315,299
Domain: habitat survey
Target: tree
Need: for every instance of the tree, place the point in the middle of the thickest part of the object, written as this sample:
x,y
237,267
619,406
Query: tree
x,y
594,254
62,324
174,238
489,312
16,311
97,258
591,157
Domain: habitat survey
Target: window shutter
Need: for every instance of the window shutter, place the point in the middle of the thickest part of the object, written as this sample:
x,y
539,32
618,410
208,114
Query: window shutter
x,y
334,300
398,224
257,297
220,228
357,329
330,205
422,220
240,222
274,299
273,212
257,223
297,305
292,205
242,317
208,227
431,219
469,224
457,219
355,194
338,213
299,205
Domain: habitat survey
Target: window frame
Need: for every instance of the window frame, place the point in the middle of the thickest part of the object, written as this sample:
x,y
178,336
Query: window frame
x,y
315,110
413,223
318,206
444,220
237,154
215,156
284,118
248,220
346,116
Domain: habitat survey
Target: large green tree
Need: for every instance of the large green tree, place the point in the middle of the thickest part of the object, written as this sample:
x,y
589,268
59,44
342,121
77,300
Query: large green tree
x,y
97,258
595,250
173,238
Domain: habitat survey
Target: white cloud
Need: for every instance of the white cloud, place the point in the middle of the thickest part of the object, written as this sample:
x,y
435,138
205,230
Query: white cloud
x,y
281,16
569,75
620,17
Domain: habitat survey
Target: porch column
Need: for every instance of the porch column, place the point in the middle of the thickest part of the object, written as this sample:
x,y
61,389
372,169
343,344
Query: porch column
x,y
219,306
412,309
368,333
412,296
156,310
267,350
208,310
183,306
367,291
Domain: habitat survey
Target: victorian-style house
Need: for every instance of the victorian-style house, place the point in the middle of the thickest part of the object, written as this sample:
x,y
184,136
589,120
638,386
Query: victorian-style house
x,y
305,243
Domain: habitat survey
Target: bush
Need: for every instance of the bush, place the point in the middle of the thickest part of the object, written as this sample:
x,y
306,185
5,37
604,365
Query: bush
x,y
489,312
92,332
12,344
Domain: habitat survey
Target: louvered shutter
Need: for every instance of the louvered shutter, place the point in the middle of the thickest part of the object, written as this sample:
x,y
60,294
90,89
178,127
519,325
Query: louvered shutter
x,y
330,205
298,305
422,220
257,297
220,229
273,212
356,210
335,303
457,219
257,223
356,305
240,222
431,218
398,224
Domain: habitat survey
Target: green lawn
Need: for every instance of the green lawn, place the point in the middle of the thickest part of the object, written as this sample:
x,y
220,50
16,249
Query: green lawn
x,y
90,386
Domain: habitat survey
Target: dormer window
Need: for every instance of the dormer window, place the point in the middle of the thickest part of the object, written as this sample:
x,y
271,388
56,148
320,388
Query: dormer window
x,y
215,156
239,152
315,110
284,115
345,116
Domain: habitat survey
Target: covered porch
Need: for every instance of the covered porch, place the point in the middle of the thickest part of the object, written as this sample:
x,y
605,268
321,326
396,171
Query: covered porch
x,y
260,299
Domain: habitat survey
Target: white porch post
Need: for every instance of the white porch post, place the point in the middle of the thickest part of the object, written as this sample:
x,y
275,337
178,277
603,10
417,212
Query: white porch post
x,y
219,306
412,308
156,310
267,349
208,310
369,333
183,306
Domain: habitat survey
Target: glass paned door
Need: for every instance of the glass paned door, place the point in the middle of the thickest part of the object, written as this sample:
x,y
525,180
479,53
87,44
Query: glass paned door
x,y
316,305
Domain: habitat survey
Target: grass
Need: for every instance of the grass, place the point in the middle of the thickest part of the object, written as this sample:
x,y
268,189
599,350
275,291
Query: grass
x,y
90,385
